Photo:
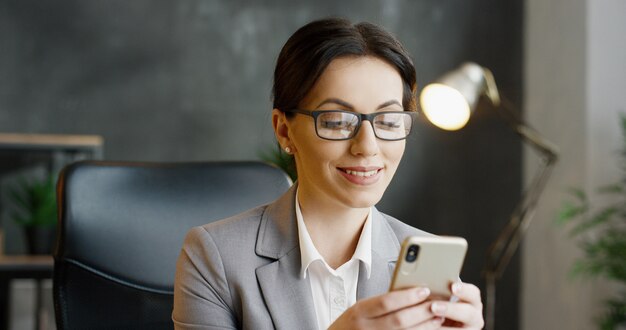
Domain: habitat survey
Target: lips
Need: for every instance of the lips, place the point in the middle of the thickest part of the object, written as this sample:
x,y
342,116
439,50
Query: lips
x,y
361,175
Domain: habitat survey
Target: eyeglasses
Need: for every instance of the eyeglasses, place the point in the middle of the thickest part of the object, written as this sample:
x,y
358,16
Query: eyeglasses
x,y
339,125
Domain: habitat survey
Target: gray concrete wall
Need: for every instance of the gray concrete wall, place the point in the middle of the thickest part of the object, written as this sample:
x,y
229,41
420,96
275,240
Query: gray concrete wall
x,y
190,80
574,81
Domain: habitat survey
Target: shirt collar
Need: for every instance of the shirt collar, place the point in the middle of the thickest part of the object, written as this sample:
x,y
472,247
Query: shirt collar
x,y
309,254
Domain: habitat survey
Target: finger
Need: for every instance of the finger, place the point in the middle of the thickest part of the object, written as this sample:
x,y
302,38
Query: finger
x,y
432,324
467,292
465,313
393,301
405,318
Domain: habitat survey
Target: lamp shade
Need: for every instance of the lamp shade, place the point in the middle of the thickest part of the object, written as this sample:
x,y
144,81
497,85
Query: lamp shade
x,y
449,102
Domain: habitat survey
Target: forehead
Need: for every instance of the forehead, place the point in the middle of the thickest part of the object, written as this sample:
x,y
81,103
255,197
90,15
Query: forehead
x,y
364,81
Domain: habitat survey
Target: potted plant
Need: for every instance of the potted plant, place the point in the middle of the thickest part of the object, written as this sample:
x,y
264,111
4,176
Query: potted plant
x,y
36,212
601,233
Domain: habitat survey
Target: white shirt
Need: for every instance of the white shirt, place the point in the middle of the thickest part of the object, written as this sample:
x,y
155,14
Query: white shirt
x,y
333,290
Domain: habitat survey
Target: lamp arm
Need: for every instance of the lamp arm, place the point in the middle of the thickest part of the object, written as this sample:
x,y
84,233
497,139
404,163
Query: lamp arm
x,y
503,248
528,134
546,148
507,242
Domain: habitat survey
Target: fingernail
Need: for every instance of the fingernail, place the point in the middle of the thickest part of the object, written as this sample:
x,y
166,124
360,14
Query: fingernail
x,y
422,293
456,287
438,308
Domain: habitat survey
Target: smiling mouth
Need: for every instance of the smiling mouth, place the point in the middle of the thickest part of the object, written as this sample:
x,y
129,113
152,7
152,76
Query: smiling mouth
x,y
360,173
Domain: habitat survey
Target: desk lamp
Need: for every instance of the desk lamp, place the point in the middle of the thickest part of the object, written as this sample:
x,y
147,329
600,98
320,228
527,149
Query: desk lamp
x,y
448,104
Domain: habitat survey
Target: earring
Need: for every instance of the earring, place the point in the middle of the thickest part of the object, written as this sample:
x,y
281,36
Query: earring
x,y
288,150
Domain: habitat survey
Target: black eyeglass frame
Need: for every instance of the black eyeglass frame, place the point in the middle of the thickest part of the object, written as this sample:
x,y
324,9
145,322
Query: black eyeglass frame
x,y
360,116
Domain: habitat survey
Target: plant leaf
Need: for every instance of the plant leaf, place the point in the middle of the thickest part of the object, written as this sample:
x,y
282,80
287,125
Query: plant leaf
x,y
616,313
20,198
604,256
570,211
598,219
35,202
19,219
578,193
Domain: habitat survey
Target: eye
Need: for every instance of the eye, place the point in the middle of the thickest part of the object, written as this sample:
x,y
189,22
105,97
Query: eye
x,y
335,124
388,122
338,121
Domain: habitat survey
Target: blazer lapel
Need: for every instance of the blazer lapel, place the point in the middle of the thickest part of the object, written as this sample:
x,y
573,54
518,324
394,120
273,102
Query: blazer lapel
x,y
287,296
385,249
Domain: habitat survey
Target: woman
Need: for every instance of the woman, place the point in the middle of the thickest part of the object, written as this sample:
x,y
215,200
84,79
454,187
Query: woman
x,y
321,256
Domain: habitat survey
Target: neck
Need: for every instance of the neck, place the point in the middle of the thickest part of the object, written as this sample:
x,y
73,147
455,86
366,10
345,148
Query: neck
x,y
334,230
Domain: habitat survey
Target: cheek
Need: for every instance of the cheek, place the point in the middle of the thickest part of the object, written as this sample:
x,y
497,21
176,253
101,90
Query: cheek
x,y
314,149
394,153
313,152
323,154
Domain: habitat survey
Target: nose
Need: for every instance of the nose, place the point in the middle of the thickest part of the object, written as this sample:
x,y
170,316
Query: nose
x,y
365,142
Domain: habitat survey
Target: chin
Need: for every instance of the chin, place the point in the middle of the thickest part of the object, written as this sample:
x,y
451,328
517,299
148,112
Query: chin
x,y
363,200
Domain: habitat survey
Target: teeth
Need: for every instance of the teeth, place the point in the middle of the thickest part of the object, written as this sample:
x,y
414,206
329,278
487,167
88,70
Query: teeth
x,y
364,174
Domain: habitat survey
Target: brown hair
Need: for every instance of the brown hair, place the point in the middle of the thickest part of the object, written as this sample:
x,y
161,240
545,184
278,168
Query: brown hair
x,y
309,50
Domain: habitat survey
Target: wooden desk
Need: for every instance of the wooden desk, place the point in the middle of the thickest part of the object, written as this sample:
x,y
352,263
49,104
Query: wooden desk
x,y
18,150
26,266
18,267
89,143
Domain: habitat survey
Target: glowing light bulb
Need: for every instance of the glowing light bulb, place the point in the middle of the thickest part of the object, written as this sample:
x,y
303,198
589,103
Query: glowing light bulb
x,y
445,106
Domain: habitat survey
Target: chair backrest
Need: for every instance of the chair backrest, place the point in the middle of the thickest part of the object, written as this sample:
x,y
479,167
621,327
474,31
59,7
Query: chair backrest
x,y
121,228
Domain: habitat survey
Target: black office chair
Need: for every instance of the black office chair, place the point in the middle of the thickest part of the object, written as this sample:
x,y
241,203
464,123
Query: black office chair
x,y
121,228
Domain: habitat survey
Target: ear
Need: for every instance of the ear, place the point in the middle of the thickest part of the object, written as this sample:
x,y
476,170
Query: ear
x,y
281,129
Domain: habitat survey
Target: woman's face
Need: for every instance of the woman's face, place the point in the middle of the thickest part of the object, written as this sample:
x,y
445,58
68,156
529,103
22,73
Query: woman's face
x,y
351,173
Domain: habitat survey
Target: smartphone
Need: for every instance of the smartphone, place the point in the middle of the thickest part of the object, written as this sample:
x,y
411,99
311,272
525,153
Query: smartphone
x,y
431,261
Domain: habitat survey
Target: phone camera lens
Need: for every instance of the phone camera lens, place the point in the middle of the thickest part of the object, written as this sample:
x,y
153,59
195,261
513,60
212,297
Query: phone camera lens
x,y
412,253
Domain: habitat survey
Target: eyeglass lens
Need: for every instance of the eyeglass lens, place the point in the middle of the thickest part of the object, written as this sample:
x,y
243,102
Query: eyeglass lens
x,y
343,125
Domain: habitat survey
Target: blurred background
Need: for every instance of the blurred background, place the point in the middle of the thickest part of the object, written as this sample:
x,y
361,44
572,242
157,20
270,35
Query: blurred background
x,y
190,80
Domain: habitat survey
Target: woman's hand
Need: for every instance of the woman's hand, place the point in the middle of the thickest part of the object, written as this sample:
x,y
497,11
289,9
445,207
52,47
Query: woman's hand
x,y
402,309
467,313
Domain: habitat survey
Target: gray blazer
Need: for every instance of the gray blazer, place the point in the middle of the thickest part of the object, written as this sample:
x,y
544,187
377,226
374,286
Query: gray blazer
x,y
243,272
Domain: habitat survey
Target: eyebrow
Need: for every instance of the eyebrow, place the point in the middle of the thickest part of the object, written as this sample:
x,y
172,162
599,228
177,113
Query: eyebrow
x,y
388,103
351,107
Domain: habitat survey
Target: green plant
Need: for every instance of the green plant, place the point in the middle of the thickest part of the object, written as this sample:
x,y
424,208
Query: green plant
x,y
601,233
283,160
35,202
